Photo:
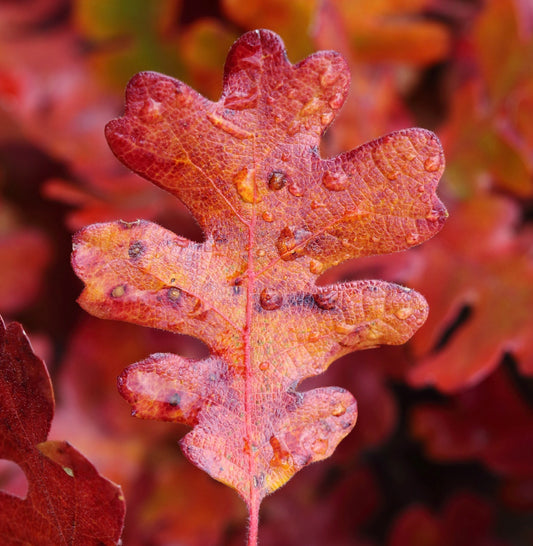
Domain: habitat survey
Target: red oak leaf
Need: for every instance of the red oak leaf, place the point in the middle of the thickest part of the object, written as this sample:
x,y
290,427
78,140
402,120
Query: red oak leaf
x,y
489,423
488,272
275,216
24,255
465,520
68,502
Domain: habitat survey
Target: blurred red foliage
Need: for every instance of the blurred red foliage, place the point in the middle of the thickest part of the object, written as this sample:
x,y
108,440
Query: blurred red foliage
x,y
462,389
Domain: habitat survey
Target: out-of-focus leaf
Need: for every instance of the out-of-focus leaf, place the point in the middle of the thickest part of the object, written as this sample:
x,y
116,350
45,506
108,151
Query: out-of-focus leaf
x,y
131,36
466,520
476,266
485,139
490,423
24,255
378,31
68,502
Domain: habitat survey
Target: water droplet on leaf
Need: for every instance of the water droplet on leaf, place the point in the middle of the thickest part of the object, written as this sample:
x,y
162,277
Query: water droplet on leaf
x,y
118,291
295,189
335,181
293,128
326,118
290,242
270,300
277,180
326,300
336,101
150,111
320,446
311,107
432,163
316,267
343,328
403,313
280,457
174,294
244,182
433,215
317,204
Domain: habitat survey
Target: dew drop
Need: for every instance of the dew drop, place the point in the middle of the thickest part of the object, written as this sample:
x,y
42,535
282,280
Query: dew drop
x,y
293,128
320,446
433,215
343,328
326,300
277,180
326,118
242,101
412,238
263,366
181,242
280,456
267,216
336,101
311,107
150,110
421,189
174,294
118,291
328,77
335,181
295,189
346,243
432,163
270,299
316,267
403,313
338,410
197,309
393,175
289,243
244,182
285,156
317,204
261,252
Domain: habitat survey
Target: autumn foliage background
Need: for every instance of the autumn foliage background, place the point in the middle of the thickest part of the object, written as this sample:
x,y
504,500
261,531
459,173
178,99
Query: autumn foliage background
x,y
442,451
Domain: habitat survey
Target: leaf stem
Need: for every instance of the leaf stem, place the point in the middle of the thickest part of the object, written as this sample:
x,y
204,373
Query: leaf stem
x,y
253,524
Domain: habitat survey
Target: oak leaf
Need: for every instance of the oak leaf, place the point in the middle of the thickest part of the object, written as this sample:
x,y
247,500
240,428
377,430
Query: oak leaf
x,y
67,502
384,31
487,279
465,519
473,427
275,216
